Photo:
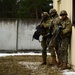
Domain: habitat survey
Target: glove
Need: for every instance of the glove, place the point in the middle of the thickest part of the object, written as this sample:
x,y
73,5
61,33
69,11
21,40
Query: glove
x,y
60,27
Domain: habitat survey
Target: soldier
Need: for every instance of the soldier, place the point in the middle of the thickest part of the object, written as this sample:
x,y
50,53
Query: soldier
x,y
45,23
53,45
65,35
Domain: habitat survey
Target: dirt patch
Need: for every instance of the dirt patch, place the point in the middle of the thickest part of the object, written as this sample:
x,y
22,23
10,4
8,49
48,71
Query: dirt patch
x,y
26,65
38,69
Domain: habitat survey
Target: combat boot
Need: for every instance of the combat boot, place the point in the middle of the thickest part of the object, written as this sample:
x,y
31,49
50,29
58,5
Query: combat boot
x,y
44,61
64,66
59,64
53,61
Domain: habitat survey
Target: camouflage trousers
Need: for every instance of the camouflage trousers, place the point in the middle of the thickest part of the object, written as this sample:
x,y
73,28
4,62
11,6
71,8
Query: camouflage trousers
x,y
44,47
63,50
53,47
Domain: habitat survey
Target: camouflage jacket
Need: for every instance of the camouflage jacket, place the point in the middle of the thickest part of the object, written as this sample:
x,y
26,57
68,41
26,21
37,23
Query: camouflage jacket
x,y
55,20
66,27
46,25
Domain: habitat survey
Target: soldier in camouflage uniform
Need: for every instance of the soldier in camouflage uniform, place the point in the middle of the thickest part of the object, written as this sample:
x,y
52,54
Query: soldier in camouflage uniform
x,y
65,35
53,45
45,23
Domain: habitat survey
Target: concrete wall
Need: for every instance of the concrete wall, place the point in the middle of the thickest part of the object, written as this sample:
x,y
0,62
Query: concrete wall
x,y
26,30
73,48
17,35
55,4
8,35
67,5
63,5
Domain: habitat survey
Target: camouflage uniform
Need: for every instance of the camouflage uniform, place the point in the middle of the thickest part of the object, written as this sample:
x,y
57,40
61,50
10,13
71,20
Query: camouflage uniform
x,y
53,45
46,25
52,42
65,35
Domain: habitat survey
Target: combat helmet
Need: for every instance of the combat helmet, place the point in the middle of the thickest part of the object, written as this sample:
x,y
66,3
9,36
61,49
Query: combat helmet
x,y
52,11
45,14
63,12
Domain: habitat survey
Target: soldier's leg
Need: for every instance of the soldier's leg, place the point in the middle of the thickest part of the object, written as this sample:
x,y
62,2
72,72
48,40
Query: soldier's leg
x,y
58,52
63,53
44,53
60,57
53,55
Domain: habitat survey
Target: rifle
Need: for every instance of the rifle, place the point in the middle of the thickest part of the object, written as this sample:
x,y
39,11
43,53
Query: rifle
x,y
57,36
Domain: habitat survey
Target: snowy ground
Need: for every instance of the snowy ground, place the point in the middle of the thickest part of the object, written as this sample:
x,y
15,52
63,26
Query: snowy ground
x,y
32,64
13,54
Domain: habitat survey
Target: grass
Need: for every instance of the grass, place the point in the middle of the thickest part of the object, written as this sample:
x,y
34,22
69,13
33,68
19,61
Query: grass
x,y
9,66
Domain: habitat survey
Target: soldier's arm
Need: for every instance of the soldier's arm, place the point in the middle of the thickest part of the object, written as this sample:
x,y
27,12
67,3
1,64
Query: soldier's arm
x,y
68,28
46,24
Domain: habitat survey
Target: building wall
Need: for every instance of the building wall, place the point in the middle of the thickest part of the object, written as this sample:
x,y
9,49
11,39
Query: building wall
x,y
73,48
8,35
63,5
17,35
25,33
67,5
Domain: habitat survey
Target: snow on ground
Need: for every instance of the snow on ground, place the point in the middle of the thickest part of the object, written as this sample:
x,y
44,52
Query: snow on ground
x,y
31,65
34,66
13,54
65,72
68,72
